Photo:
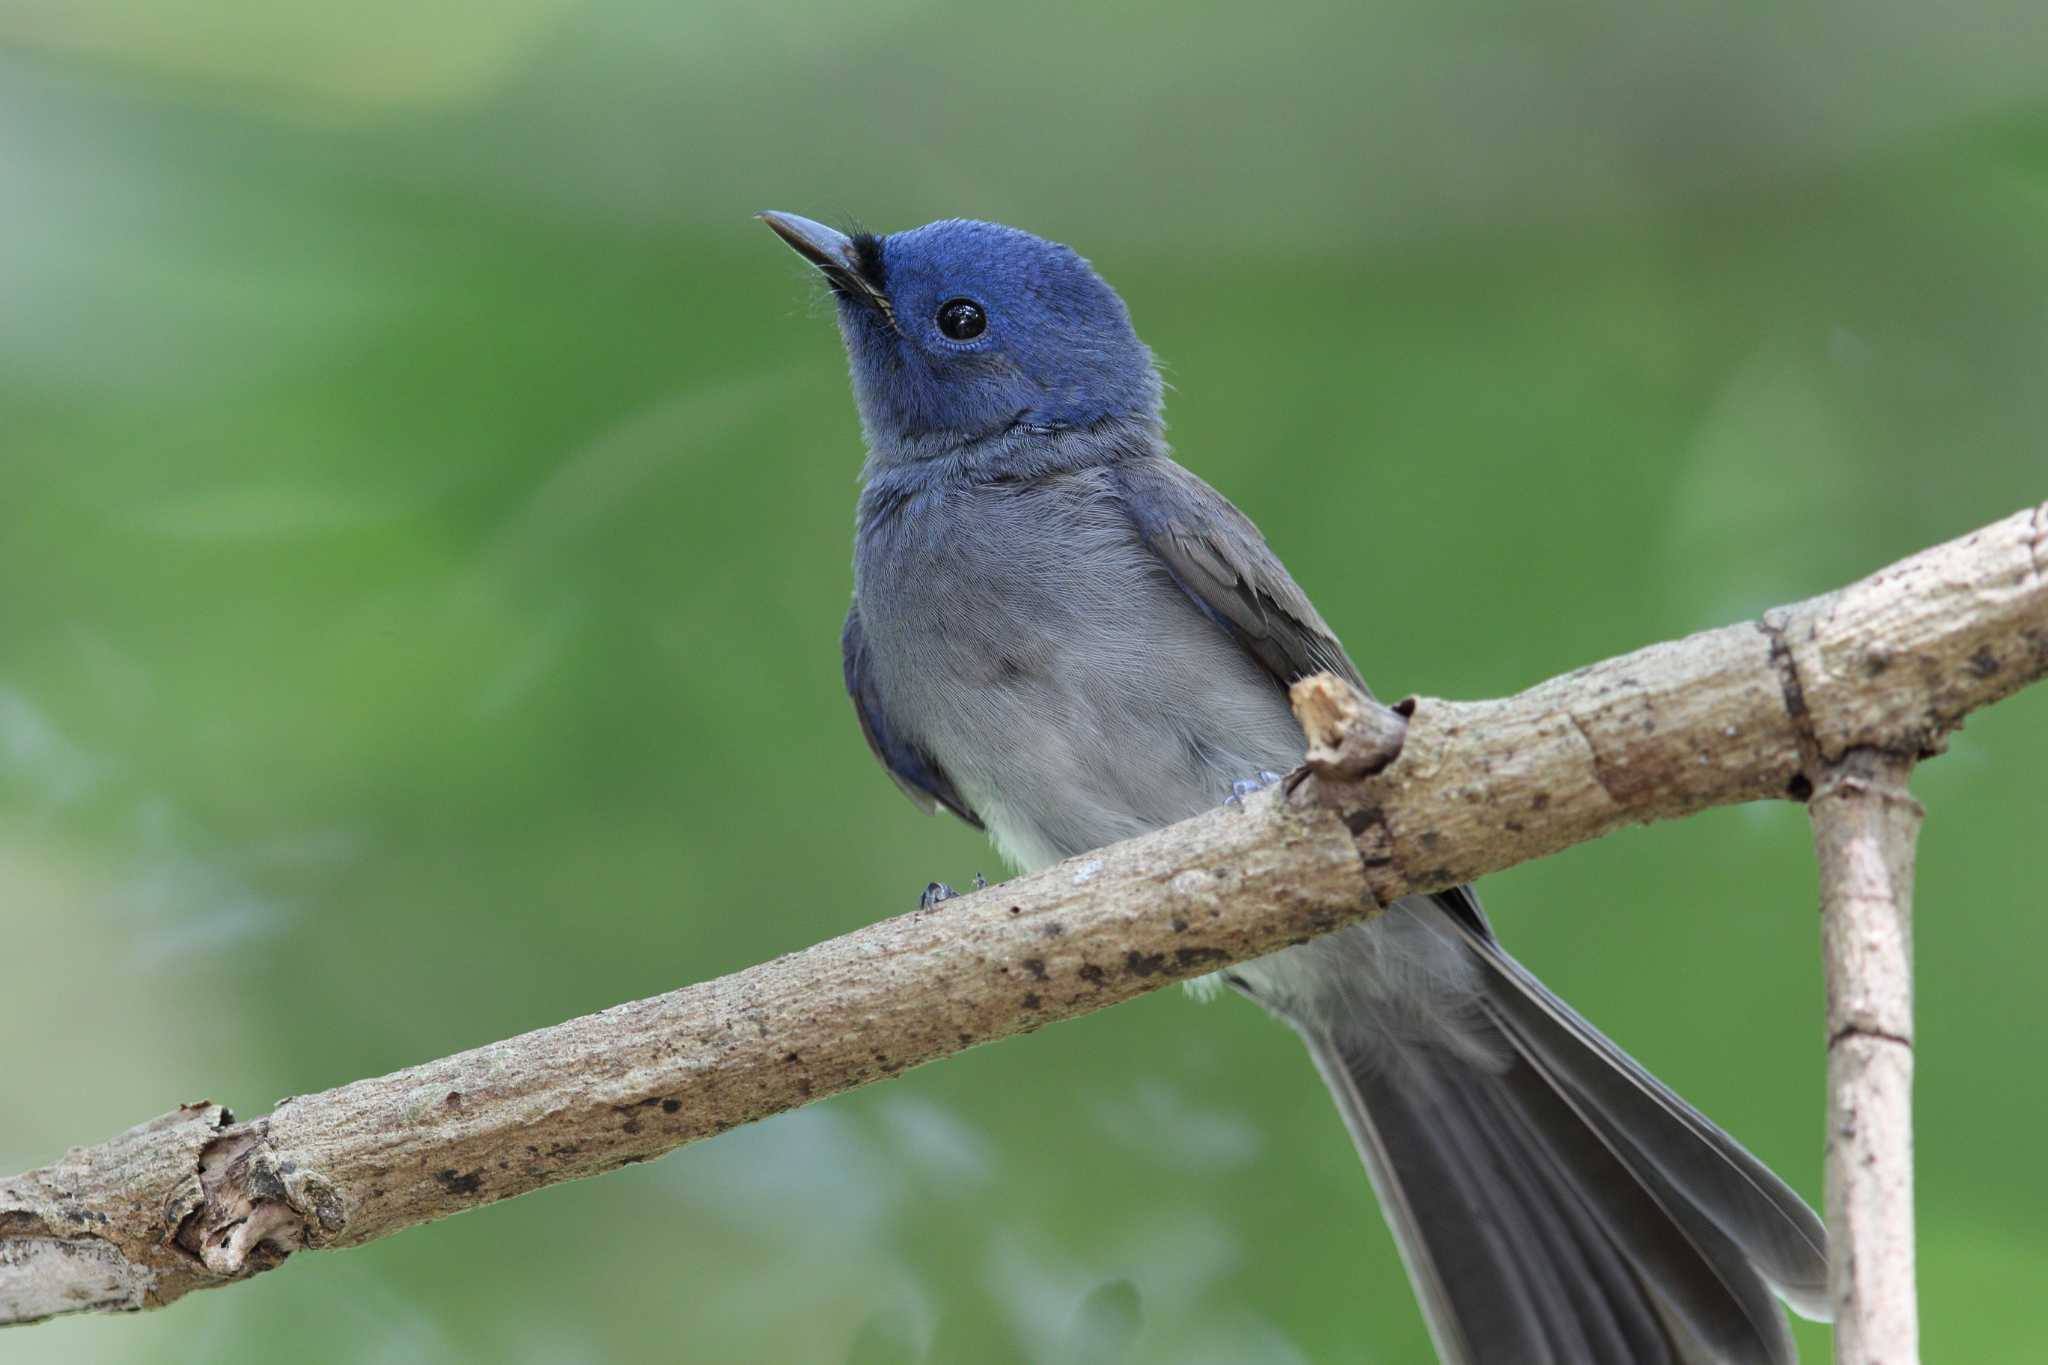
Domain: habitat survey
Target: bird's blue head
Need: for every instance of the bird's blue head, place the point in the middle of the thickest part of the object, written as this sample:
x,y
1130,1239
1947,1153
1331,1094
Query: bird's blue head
x,y
958,331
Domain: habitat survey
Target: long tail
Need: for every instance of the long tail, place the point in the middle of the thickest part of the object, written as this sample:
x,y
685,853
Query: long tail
x,y
1566,1207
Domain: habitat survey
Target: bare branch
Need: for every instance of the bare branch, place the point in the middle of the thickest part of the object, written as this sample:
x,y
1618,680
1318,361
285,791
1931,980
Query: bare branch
x,y
1864,828
1744,713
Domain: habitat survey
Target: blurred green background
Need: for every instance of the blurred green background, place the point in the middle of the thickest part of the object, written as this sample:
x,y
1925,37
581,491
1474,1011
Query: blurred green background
x,y
425,532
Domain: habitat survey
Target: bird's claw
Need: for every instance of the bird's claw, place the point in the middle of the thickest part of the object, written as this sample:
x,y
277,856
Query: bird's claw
x,y
1245,786
939,891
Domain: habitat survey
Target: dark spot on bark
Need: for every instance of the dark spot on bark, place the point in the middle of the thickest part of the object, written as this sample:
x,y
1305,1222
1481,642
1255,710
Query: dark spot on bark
x,y
1198,957
266,1183
790,1058
1180,926
462,1182
1430,838
1876,661
1144,964
1053,929
630,1126
1512,826
1983,663
561,1149
966,1039
1539,801
670,1106
1092,974
1358,821
1799,789
1031,1001
628,1161
1035,966
453,1099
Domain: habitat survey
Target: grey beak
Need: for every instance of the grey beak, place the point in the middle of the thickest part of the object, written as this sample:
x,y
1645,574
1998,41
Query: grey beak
x,y
833,252
826,248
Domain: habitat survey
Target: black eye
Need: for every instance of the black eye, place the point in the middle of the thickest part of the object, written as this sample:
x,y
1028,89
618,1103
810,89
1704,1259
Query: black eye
x,y
962,319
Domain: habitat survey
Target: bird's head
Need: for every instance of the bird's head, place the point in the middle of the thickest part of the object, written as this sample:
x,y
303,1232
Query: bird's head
x,y
958,331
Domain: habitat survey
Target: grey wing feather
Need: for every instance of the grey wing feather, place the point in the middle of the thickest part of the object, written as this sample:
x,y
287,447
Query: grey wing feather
x,y
916,772
1220,560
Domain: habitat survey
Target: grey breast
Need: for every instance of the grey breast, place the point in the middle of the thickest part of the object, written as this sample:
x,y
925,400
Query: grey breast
x,y
1026,639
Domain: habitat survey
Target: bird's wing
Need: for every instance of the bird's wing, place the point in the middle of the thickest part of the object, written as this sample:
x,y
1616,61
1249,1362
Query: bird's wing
x,y
1220,560
916,772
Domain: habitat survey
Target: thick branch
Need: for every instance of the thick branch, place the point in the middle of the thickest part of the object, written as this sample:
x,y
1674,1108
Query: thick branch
x,y
1743,713
1864,828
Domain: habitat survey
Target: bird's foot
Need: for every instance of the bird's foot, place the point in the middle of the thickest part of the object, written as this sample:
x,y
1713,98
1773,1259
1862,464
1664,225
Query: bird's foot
x,y
935,892
1245,786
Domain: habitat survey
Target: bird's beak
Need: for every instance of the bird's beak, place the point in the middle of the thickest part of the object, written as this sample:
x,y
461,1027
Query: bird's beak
x,y
835,255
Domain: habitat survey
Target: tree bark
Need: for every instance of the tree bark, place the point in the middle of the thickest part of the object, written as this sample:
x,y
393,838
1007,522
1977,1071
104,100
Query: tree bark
x,y
1391,802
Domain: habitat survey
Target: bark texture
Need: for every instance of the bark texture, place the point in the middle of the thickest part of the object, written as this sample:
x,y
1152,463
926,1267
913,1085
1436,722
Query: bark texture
x,y
1392,801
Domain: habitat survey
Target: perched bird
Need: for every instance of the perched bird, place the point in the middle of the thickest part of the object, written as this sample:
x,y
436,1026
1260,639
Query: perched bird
x,y
1066,639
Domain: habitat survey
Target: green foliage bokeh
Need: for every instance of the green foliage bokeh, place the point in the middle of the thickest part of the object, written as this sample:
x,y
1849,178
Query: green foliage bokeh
x,y
424,535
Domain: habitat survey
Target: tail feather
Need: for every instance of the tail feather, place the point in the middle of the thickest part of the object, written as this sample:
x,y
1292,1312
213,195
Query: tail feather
x,y
1776,1230
1559,1204
1614,1286
1435,1199
1713,1302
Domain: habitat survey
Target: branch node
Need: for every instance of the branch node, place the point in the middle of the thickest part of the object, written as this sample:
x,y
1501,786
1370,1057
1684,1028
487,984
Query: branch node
x,y
1853,1032
254,1209
1774,624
